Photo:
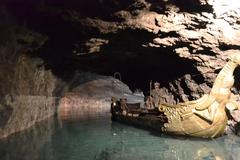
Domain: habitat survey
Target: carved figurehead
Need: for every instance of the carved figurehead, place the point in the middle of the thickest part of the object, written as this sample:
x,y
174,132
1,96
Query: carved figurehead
x,y
205,117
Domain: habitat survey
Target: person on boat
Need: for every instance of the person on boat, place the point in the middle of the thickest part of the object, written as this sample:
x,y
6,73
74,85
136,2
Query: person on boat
x,y
123,105
149,103
155,94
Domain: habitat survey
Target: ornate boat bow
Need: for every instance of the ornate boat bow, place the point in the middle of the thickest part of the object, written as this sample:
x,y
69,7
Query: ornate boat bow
x,y
205,117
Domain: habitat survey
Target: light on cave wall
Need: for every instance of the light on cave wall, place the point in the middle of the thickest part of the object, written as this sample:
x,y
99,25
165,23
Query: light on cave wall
x,y
227,13
227,30
223,6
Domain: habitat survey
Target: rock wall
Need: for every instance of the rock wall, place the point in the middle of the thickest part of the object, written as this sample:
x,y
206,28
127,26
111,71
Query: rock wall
x,y
27,88
22,112
202,33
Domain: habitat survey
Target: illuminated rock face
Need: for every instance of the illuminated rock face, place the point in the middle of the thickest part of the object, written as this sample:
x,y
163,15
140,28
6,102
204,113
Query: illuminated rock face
x,y
197,32
140,39
200,32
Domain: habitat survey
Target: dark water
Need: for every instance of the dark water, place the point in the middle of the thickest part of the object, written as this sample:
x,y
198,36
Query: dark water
x,y
100,139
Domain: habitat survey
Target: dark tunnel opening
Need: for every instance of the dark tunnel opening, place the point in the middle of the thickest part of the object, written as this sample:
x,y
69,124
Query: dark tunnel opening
x,y
125,54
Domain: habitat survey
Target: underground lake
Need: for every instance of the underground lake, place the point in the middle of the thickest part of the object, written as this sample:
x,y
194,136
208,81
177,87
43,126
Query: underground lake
x,y
66,65
96,137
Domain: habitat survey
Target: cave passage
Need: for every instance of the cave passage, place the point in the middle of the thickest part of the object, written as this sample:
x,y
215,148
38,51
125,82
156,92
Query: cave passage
x,y
124,52
137,72
136,69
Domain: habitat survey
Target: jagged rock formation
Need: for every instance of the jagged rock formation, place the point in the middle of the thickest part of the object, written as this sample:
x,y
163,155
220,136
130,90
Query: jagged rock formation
x,y
199,32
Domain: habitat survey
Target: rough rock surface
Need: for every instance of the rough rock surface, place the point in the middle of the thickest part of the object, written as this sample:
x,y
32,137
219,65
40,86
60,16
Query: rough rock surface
x,y
27,88
201,32
115,33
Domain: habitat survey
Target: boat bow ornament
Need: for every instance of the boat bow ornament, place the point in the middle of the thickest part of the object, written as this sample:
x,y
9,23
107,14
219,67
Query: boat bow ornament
x,y
205,117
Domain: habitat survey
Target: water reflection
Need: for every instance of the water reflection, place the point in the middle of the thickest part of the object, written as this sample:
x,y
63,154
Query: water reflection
x,y
100,139
132,144
32,144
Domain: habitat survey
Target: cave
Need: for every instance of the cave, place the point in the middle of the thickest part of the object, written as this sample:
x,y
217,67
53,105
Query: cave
x,y
70,59
136,63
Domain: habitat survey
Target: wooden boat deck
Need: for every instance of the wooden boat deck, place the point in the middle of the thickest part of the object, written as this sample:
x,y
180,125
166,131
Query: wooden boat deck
x,y
134,115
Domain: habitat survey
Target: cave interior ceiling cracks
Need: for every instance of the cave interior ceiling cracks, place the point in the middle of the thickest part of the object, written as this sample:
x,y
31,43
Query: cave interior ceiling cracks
x,y
173,29
209,39
181,24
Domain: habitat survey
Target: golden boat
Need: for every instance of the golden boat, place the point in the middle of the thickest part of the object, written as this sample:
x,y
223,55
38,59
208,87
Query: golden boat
x,y
205,117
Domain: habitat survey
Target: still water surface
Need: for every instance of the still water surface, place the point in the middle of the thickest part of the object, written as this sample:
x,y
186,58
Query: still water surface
x,y
99,138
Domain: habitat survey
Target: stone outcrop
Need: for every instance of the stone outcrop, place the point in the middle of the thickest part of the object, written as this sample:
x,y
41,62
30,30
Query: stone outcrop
x,y
26,86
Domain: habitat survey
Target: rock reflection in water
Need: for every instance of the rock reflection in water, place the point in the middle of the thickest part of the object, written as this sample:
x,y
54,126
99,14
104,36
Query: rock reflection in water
x,y
76,108
31,144
99,138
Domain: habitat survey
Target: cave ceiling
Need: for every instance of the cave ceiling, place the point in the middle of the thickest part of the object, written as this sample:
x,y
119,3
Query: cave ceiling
x,y
164,40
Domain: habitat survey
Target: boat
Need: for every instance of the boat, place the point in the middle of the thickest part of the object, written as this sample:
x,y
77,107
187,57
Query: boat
x,y
205,117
